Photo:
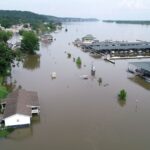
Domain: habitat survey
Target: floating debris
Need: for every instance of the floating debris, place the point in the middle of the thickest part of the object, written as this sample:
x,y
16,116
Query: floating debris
x,y
84,77
93,70
106,84
53,75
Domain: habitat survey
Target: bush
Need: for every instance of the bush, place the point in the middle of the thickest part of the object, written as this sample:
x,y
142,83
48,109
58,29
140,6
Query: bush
x,y
78,61
21,32
4,132
3,92
122,95
69,55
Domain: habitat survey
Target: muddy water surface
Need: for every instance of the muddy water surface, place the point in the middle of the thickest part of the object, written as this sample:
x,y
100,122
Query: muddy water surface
x,y
79,114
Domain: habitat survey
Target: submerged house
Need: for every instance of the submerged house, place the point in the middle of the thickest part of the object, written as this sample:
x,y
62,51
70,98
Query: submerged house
x,y
20,106
88,39
141,69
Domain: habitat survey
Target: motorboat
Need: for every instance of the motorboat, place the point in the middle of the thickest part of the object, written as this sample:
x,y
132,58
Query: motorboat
x,y
84,76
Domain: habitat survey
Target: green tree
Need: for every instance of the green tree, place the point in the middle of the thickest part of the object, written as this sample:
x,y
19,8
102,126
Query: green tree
x,y
122,95
78,62
7,57
30,42
5,36
21,32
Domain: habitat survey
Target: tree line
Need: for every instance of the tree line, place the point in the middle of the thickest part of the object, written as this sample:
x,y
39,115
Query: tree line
x,y
29,44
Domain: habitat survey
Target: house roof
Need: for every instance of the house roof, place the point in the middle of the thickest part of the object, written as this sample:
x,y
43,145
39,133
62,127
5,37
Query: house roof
x,y
19,102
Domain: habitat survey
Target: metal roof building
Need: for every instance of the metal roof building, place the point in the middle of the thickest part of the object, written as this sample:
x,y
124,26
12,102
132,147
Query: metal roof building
x,y
140,68
118,45
143,65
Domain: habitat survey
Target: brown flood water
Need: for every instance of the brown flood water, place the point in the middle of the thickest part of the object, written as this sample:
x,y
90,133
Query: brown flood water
x,y
80,114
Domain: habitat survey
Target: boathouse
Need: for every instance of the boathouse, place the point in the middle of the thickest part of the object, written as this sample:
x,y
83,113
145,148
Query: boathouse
x,y
141,69
20,106
117,46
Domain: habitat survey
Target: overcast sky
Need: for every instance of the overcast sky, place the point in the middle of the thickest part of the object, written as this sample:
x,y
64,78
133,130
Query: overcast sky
x,y
101,9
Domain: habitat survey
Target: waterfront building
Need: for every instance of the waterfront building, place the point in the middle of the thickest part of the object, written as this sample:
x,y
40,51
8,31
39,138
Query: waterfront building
x,y
117,46
141,69
20,106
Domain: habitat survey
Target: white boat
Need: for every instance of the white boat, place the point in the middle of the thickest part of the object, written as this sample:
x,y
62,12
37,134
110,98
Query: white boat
x,y
53,74
84,77
93,68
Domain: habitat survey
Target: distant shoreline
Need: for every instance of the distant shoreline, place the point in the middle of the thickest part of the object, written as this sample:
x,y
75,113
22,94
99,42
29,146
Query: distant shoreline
x,y
138,22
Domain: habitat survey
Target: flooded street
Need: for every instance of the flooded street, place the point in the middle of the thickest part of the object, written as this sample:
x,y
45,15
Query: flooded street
x,y
79,114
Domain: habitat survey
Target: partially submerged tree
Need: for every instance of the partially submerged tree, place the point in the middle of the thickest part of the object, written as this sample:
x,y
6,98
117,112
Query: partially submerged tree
x,y
79,62
7,57
69,55
30,42
122,95
5,36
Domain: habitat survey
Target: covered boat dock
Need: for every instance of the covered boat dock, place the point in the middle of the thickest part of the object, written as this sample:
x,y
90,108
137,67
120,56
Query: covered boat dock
x,y
141,69
117,46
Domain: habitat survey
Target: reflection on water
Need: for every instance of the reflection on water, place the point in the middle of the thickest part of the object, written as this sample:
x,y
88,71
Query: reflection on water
x,y
31,62
122,103
21,134
24,133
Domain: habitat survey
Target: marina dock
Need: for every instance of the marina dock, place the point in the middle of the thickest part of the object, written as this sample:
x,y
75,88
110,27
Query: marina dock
x,y
116,49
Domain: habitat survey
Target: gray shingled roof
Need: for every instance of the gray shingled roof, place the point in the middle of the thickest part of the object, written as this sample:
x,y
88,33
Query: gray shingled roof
x,y
19,102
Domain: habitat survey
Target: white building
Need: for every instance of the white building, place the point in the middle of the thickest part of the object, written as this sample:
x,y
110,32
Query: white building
x,y
20,106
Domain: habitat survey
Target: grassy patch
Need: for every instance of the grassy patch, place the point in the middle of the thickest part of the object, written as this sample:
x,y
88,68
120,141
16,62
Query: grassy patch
x,y
4,132
3,92
3,89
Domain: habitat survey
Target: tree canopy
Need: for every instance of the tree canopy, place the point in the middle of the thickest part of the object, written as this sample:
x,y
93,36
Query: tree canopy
x,y
5,36
30,42
122,95
7,57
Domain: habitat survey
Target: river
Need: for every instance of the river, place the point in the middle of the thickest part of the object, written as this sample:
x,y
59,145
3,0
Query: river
x,y
79,114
